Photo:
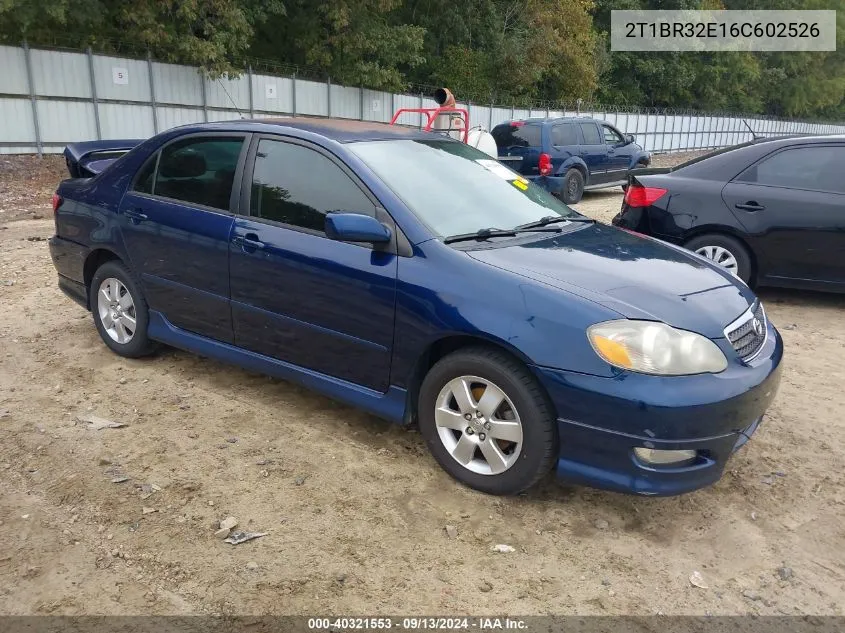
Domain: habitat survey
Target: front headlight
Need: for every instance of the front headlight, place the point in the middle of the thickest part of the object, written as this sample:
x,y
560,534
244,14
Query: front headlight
x,y
649,347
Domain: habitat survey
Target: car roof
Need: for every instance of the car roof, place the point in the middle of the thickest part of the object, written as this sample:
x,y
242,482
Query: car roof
x,y
558,119
340,130
725,163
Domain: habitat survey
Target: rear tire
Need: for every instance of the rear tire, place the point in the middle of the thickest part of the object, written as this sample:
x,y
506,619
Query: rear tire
x,y
573,186
120,310
724,250
509,442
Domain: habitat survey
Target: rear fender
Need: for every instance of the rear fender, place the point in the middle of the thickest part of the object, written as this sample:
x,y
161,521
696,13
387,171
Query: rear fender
x,y
578,163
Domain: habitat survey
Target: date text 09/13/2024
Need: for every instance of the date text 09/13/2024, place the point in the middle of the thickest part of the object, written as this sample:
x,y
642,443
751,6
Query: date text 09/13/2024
x,y
338,624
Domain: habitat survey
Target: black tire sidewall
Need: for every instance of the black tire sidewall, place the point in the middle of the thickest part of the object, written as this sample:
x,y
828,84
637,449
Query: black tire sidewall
x,y
140,345
573,173
734,246
539,445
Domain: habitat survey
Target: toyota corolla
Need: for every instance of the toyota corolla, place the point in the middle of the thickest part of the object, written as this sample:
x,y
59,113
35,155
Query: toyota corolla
x,y
414,277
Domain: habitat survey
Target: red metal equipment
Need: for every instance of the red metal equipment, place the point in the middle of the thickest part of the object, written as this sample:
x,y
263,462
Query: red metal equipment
x,y
447,109
433,113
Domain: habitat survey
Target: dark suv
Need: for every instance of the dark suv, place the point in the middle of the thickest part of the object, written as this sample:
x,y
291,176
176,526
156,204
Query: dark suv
x,y
569,155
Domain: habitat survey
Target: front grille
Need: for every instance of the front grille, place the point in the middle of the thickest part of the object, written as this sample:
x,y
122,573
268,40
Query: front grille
x,y
748,333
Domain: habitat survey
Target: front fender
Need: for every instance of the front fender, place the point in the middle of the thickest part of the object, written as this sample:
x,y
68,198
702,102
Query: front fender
x,y
640,156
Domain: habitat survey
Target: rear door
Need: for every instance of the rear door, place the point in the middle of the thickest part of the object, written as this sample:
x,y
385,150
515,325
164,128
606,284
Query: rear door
x,y
519,140
175,221
593,151
564,143
793,204
297,295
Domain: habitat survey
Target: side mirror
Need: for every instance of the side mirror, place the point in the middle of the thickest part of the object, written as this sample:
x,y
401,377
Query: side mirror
x,y
356,227
629,138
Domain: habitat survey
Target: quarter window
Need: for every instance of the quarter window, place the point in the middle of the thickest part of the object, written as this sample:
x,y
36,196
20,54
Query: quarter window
x,y
296,185
816,168
144,181
591,134
196,170
563,135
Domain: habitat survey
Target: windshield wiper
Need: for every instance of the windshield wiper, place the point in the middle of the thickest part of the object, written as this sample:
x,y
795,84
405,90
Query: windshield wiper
x,y
483,234
552,219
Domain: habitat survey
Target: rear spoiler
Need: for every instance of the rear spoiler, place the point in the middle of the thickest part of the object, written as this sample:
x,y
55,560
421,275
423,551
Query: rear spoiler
x,y
89,158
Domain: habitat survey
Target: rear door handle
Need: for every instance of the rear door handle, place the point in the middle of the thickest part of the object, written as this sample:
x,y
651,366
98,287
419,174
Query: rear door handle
x,y
135,216
751,205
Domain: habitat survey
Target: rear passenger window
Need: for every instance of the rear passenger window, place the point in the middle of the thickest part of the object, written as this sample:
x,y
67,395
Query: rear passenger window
x,y
199,171
296,185
519,135
591,134
816,168
565,134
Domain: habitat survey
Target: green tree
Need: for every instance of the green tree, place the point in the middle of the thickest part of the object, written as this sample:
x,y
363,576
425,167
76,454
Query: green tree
x,y
354,42
212,34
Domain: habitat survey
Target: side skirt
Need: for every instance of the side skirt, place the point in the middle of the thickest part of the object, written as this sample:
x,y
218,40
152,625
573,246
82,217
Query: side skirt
x,y
389,405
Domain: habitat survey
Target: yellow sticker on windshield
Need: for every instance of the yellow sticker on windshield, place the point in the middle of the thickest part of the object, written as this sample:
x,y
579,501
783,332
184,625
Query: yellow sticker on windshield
x,y
520,184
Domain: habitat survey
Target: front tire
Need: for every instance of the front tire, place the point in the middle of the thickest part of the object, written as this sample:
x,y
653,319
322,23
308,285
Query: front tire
x,y
487,421
724,250
120,310
573,186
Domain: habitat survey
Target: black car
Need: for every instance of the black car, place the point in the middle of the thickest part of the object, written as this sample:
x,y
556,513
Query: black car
x,y
772,211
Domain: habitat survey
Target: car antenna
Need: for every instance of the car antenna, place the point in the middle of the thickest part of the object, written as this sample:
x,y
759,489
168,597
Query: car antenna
x,y
230,98
753,133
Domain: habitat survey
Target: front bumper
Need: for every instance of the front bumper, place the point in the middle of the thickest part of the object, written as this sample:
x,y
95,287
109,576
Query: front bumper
x,y
601,421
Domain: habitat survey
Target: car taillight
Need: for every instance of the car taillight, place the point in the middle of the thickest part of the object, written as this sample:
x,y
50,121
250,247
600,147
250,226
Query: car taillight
x,y
639,196
57,202
545,164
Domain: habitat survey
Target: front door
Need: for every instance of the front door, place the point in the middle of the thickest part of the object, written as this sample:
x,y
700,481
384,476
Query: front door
x,y
618,154
793,205
175,221
297,295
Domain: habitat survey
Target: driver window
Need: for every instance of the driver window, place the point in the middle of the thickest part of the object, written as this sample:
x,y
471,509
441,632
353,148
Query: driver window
x,y
611,136
298,186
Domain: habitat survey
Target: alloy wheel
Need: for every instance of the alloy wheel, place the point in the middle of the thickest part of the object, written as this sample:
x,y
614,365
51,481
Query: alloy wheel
x,y
116,309
478,425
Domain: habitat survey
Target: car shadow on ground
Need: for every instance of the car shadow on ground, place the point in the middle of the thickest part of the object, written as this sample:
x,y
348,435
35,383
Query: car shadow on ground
x,y
803,298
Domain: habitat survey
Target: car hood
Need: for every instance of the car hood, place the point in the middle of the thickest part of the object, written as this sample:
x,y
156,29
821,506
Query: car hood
x,y
638,277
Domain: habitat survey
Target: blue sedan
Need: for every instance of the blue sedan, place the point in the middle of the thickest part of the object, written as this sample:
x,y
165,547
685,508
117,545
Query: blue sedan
x,y
412,276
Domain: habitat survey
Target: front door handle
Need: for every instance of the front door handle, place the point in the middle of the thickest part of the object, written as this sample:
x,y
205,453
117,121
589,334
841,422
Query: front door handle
x,y
251,241
135,216
751,205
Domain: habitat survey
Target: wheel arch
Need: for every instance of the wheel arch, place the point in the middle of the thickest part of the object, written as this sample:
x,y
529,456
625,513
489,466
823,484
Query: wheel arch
x,y
95,259
442,347
720,229
575,163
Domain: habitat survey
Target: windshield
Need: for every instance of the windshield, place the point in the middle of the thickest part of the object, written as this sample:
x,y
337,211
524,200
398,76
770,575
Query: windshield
x,y
455,189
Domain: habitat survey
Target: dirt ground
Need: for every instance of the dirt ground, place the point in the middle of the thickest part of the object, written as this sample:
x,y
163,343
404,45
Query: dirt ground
x,y
355,508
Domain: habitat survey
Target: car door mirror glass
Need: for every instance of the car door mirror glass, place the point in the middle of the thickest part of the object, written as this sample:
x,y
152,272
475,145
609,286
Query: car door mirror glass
x,y
356,227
